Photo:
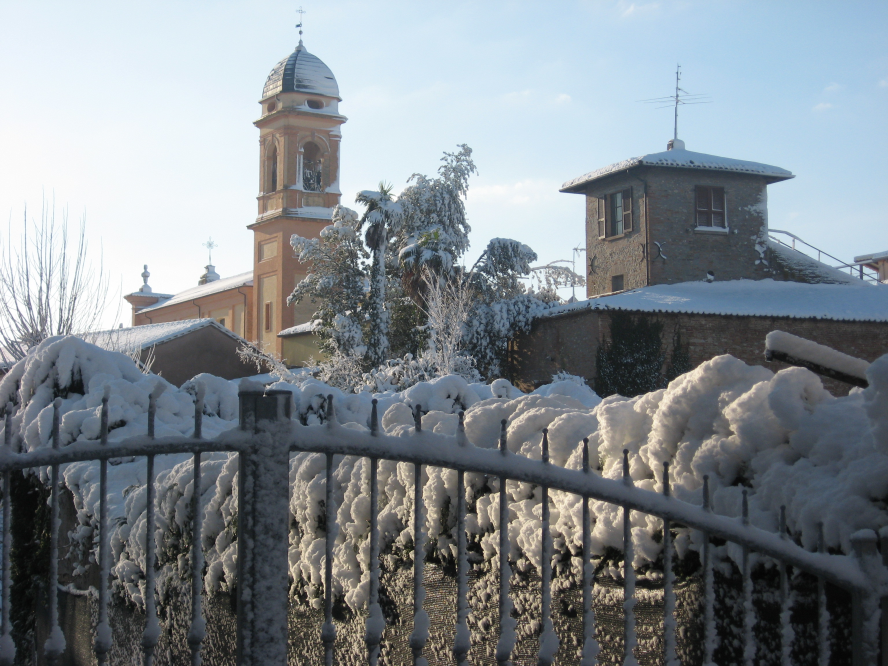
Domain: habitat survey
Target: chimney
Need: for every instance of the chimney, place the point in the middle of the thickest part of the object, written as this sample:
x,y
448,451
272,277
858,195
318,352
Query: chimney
x,y
675,144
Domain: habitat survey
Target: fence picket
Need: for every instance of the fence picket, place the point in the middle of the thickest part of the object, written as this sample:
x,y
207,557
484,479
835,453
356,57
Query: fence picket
x,y
462,637
590,645
748,608
328,630
669,645
55,644
506,642
375,620
7,647
103,639
630,640
548,637
709,633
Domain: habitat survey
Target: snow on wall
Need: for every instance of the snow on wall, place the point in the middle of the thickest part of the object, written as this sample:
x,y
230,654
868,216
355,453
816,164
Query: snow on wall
x,y
810,351
782,436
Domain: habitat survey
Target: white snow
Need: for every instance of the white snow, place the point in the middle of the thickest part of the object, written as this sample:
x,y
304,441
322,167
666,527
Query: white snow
x,y
682,159
782,436
807,350
141,337
750,298
214,287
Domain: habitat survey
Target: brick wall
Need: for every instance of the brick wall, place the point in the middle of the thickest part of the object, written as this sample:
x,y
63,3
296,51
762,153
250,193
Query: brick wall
x,y
570,342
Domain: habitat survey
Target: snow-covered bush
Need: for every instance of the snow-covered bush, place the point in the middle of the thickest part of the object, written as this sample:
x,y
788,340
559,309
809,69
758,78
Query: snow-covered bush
x,y
780,436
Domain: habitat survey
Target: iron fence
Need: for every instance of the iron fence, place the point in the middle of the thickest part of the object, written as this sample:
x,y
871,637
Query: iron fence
x,y
266,437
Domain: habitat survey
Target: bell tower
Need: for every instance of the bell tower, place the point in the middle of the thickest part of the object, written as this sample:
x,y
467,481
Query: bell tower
x,y
299,138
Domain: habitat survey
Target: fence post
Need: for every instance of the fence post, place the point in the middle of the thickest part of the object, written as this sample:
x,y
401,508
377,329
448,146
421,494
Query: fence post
x,y
263,530
883,645
865,603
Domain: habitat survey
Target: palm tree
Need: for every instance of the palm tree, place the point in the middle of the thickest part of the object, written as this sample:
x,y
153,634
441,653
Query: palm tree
x,y
381,221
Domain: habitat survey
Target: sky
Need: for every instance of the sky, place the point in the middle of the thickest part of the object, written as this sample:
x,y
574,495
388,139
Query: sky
x,y
139,115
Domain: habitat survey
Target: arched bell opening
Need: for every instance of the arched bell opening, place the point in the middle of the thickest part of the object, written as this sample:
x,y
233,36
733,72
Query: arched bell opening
x,y
312,168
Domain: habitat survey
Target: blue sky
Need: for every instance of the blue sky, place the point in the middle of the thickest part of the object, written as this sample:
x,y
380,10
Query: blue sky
x,y
140,114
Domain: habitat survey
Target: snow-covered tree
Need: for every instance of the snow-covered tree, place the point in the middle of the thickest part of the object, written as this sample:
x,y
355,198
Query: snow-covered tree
x,y
435,232
380,222
336,283
449,303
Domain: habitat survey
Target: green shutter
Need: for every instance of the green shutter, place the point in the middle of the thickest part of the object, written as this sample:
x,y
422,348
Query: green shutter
x,y
602,217
627,210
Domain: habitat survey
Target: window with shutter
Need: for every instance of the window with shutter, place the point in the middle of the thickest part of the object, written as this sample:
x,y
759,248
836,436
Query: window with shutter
x,y
602,215
617,214
627,210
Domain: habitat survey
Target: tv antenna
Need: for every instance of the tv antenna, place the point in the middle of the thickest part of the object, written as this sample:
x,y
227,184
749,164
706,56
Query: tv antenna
x,y
680,97
301,13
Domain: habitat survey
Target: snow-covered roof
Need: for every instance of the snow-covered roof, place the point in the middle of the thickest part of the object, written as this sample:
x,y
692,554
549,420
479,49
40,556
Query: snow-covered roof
x,y
748,298
307,327
807,268
207,289
140,337
871,258
682,159
301,72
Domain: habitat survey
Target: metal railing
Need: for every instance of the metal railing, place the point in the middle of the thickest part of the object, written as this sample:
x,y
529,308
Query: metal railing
x,y
264,441
857,270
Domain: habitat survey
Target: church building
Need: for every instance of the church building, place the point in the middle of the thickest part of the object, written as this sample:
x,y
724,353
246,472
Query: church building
x,y
299,138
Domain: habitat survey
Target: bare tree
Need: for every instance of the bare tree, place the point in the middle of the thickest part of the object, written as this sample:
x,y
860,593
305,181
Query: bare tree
x,y
449,304
48,285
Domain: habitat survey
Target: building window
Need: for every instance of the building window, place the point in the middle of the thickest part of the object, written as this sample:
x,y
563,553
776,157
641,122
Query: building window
x,y
315,104
268,315
711,207
617,283
271,107
271,170
615,213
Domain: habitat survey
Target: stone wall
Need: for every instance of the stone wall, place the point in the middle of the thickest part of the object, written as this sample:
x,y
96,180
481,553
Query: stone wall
x,y
570,342
663,212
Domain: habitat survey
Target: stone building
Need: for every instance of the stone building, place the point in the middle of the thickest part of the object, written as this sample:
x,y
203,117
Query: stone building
x,y
683,238
299,140
679,216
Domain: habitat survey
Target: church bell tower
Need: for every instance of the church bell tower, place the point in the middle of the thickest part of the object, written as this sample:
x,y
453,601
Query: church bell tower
x,y
299,137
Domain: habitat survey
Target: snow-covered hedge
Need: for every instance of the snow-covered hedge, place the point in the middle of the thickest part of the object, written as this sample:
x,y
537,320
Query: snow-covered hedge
x,y
782,436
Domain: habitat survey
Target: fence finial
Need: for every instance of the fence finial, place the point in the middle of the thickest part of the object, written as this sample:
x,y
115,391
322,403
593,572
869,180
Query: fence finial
x,y
374,418
106,395
586,454
329,411
545,445
667,491
782,521
627,479
7,426
745,507
706,505
56,418
502,441
198,409
417,418
461,430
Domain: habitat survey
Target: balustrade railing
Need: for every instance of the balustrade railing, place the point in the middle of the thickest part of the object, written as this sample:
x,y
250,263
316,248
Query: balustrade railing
x,y
267,436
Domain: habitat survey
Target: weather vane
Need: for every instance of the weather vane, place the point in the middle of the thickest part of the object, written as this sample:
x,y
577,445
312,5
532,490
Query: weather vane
x,y
681,96
300,11
210,245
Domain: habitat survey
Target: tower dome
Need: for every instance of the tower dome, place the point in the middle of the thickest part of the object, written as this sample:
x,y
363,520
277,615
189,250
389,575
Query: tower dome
x,y
301,72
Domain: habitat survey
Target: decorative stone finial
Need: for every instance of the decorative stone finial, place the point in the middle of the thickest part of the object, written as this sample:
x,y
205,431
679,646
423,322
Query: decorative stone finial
x,y
145,289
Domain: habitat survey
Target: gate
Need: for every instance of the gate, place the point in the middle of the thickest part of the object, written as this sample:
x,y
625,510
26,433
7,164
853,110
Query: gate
x,y
267,436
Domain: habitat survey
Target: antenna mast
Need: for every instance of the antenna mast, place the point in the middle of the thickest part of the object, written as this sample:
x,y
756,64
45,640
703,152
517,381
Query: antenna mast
x,y
677,91
681,96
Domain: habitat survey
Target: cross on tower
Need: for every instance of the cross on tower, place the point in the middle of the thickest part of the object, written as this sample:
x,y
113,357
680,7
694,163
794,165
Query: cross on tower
x,y
210,245
301,12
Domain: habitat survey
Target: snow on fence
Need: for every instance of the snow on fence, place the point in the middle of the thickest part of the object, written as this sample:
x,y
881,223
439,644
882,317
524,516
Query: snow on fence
x,y
264,441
